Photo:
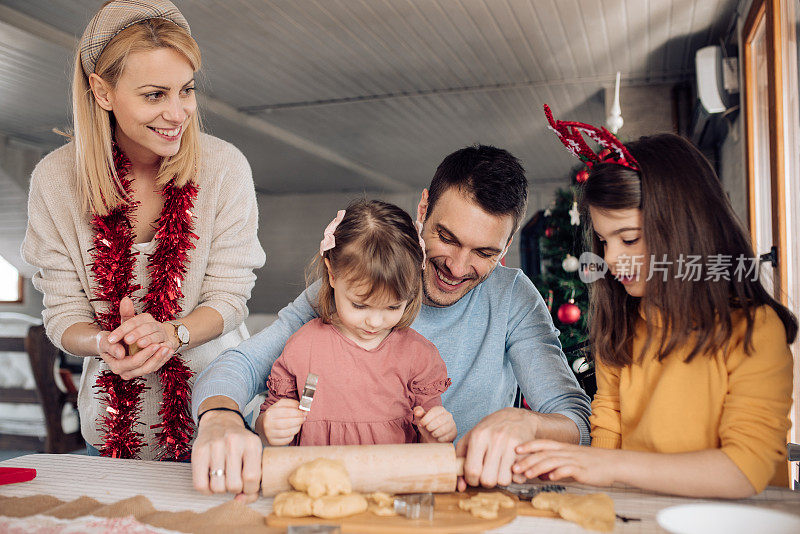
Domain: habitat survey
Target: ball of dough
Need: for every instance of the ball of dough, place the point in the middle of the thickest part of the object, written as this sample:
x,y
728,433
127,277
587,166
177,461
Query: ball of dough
x,y
335,506
320,478
292,504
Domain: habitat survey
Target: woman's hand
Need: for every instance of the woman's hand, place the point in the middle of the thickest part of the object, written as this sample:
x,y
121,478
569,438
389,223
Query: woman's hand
x,y
437,425
144,362
142,329
106,349
281,422
226,457
156,348
556,461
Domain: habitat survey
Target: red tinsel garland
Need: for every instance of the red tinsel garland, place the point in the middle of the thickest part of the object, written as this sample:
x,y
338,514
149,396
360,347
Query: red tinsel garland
x,y
112,271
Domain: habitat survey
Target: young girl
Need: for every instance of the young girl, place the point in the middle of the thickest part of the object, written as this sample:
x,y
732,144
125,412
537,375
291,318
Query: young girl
x,y
694,371
379,381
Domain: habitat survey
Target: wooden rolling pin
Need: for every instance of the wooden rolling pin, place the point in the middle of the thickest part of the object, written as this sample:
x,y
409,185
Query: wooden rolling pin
x,y
408,468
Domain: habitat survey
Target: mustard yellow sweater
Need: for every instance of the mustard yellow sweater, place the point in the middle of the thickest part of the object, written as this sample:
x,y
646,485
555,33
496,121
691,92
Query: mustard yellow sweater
x,y
734,402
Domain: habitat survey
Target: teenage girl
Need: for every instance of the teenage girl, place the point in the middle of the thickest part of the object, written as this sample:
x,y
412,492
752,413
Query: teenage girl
x,y
694,371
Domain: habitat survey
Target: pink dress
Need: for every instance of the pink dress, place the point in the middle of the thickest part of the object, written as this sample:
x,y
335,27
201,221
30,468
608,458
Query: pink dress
x,y
363,396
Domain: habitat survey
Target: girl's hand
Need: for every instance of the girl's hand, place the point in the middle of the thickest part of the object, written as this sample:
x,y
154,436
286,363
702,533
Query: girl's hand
x,y
142,329
437,425
556,461
282,421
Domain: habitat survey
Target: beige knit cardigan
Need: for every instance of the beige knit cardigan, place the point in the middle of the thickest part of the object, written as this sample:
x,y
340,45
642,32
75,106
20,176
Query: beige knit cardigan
x,y
219,271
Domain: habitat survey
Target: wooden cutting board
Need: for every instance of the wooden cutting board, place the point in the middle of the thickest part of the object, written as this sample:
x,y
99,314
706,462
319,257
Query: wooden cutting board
x,y
448,517
526,508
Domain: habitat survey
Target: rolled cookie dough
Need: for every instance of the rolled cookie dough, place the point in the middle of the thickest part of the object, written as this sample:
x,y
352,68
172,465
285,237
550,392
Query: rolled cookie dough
x,y
594,511
292,504
339,505
486,505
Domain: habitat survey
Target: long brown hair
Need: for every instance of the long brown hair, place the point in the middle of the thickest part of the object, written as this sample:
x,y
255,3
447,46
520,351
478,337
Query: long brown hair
x,y
98,184
377,247
685,212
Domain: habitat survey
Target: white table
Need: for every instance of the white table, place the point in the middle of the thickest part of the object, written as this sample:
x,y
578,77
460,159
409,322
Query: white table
x,y
168,485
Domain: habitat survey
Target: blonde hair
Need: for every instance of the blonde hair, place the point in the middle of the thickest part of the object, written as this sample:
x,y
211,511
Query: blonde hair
x,y
98,183
377,247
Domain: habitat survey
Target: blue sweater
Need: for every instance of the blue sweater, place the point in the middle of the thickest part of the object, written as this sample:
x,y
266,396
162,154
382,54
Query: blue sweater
x,y
498,335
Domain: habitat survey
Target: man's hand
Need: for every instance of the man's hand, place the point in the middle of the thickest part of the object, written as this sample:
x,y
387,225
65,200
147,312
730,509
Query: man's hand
x,y
437,425
226,457
490,447
281,422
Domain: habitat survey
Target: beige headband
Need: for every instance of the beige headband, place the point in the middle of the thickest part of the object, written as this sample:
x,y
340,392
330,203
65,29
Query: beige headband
x,y
115,17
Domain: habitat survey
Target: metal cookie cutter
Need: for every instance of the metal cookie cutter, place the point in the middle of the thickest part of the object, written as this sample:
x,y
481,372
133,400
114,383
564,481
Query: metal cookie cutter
x,y
415,506
526,492
308,392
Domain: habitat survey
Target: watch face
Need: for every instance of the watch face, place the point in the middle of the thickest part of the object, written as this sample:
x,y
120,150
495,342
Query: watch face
x,y
183,334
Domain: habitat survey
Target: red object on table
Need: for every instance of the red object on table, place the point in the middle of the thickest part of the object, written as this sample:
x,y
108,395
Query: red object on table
x,y
12,475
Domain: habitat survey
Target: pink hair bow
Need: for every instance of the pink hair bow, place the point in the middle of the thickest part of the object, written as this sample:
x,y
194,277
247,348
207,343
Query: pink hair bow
x,y
328,241
418,226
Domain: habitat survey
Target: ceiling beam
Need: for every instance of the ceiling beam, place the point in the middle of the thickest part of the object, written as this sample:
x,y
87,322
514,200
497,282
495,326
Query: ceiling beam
x,y
226,111
631,80
53,35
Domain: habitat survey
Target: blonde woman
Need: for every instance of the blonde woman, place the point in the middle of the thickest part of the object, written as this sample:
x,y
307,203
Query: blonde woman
x,y
144,231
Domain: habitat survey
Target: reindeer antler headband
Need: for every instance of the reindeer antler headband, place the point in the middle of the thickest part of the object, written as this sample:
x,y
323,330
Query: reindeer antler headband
x,y
570,133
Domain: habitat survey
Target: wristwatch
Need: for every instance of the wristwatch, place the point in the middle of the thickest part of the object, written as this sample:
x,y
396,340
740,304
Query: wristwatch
x,y
182,333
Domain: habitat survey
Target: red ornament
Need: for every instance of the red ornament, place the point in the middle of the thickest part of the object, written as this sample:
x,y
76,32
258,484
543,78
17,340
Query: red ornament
x,y
582,176
569,313
112,271
550,232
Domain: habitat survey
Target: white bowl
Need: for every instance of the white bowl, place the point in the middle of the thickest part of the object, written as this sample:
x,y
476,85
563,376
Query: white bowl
x,y
724,518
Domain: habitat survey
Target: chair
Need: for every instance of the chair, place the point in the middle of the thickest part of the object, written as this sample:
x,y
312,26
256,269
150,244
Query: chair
x,y
43,356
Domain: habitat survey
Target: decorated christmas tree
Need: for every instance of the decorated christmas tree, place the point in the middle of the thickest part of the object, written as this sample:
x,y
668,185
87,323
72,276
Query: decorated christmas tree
x,y
560,247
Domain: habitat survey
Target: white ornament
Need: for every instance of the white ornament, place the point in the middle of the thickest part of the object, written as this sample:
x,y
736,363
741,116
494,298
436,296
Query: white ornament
x,y
547,212
574,215
570,263
580,365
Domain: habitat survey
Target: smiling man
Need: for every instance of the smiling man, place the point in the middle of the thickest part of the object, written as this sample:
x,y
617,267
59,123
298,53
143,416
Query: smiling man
x,y
491,326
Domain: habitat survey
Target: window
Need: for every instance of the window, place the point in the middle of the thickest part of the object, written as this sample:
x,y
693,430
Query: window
x,y
10,282
772,114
